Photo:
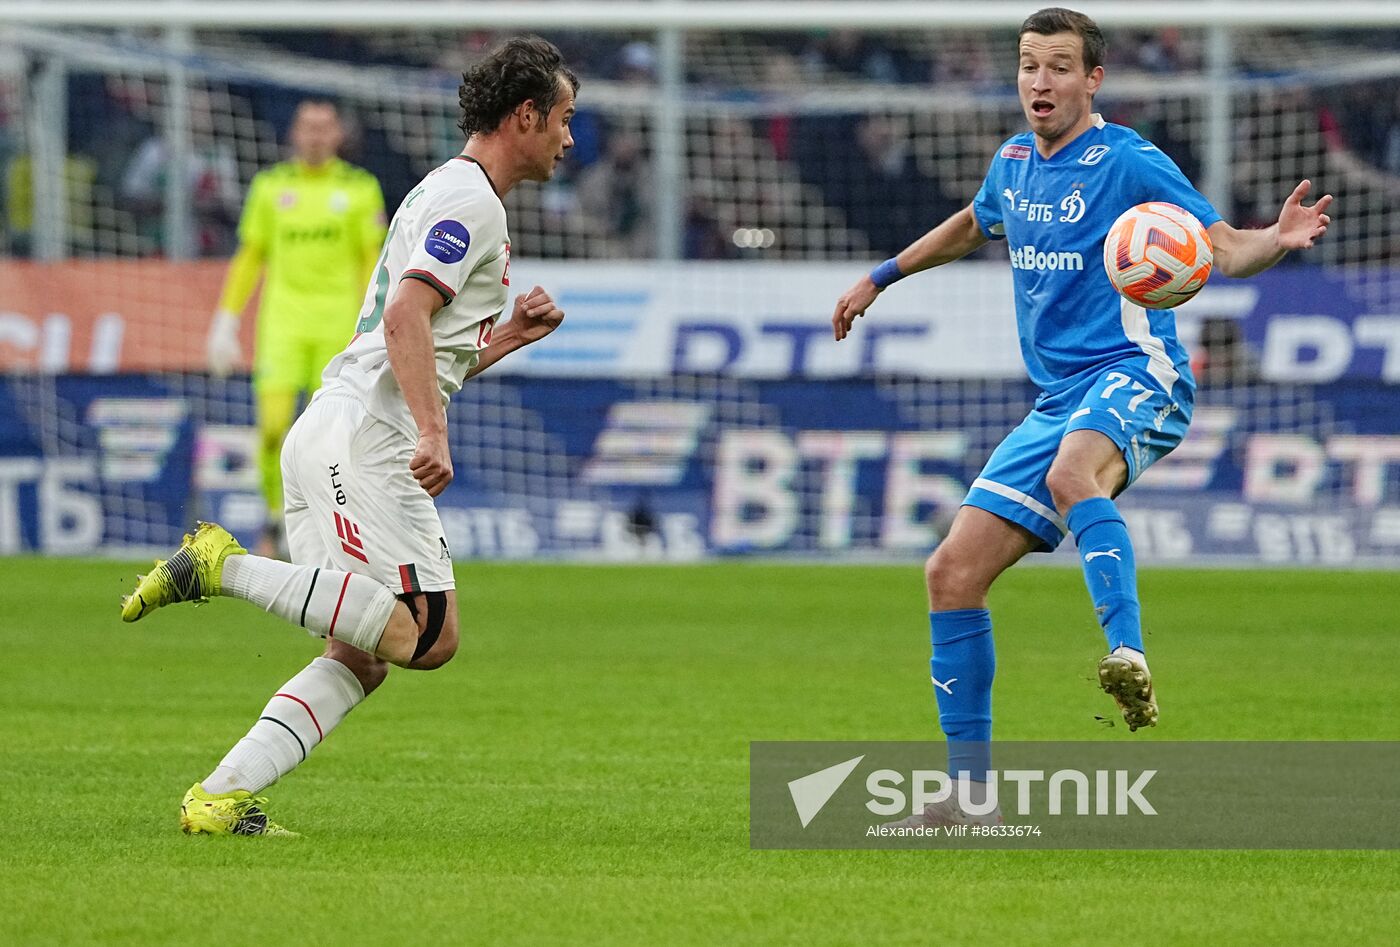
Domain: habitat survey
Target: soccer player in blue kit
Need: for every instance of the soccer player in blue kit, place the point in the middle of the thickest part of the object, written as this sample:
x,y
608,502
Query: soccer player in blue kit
x,y
1116,386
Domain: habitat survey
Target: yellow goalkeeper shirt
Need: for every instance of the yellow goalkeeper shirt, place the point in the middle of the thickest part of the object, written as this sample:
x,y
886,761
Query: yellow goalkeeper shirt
x,y
319,232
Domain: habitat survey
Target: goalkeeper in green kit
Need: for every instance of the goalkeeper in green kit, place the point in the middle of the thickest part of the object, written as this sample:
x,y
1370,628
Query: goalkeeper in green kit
x,y
311,229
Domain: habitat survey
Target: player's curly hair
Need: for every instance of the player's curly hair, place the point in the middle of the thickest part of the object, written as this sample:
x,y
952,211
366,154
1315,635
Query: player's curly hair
x,y
1054,20
521,69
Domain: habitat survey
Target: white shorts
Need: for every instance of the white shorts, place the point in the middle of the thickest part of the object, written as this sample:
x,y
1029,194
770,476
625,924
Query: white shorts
x,y
352,504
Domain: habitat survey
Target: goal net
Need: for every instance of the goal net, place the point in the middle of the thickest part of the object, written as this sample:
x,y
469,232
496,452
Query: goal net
x,y
722,192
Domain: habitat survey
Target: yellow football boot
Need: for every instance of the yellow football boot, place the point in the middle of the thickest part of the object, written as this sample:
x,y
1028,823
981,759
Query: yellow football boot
x,y
192,574
231,813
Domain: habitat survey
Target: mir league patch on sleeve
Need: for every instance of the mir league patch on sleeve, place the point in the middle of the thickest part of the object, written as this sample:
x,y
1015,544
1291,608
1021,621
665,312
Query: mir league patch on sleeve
x,y
448,241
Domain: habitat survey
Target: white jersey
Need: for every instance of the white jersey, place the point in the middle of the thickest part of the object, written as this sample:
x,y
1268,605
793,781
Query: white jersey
x,y
450,232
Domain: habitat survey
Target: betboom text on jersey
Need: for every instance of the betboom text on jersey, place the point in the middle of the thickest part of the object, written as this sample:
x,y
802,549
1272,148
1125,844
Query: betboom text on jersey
x,y
1030,257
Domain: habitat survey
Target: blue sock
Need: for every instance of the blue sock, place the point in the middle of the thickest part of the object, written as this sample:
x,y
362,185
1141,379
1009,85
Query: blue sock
x,y
962,667
1106,553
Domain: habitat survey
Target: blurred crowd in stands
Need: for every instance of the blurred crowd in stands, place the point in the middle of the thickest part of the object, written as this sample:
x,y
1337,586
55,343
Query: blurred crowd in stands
x,y
864,169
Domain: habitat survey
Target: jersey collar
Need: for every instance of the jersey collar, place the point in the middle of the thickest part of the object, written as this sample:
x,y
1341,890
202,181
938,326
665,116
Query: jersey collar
x,y
1096,123
483,172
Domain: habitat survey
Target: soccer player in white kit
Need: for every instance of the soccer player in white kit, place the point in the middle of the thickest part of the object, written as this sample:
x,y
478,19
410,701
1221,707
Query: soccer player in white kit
x,y
370,566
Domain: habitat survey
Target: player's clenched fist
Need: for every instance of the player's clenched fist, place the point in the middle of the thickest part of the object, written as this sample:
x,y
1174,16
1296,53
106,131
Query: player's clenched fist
x,y
536,314
431,465
853,303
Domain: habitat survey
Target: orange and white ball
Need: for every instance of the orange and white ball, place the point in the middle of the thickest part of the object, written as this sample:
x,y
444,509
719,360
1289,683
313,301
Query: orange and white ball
x,y
1157,255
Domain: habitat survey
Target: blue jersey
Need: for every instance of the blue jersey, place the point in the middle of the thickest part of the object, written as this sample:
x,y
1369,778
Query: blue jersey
x,y
1055,213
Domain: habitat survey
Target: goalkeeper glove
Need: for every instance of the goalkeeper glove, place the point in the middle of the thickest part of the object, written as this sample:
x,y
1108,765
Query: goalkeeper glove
x,y
224,350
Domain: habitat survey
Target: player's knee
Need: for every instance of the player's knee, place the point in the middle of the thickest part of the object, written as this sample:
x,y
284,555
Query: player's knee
x,y
952,581
435,615
1068,486
442,651
932,572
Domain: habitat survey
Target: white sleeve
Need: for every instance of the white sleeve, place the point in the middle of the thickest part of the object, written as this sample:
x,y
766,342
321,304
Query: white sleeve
x,y
455,234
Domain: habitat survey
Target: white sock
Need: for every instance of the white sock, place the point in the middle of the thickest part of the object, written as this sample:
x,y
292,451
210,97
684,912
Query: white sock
x,y
351,608
299,716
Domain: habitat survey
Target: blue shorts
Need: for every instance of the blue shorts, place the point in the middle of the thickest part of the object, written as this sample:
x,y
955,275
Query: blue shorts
x,y
1123,403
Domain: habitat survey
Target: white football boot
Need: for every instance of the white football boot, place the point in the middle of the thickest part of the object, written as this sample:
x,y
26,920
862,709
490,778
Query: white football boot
x,y
1124,676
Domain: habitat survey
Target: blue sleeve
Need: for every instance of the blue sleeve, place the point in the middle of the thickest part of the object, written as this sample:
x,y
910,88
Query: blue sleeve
x,y
1159,179
986,207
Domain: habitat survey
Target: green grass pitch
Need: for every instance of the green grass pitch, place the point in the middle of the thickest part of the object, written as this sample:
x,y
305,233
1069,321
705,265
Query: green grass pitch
x,y
578,774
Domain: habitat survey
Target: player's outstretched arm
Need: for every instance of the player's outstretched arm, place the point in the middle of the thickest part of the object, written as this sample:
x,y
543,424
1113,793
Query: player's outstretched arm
x,y
535,316
951,240
408,335
1241,253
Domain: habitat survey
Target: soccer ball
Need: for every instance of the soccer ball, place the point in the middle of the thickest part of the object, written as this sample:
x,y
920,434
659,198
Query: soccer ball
x,y
1157,255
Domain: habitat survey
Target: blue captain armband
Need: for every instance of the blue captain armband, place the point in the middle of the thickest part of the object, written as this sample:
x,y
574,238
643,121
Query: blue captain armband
x,y
886,273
